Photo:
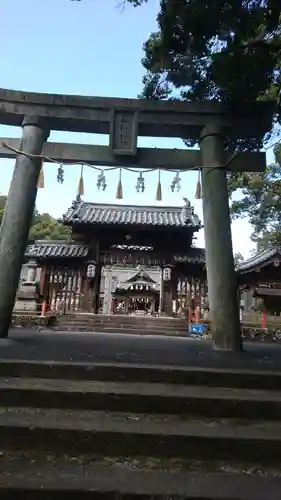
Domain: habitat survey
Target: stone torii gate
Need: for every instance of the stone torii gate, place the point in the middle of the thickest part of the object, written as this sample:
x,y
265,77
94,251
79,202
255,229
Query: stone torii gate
x,y
124,120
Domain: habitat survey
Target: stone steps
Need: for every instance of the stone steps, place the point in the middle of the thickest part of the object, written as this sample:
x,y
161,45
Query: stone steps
x,y
120,324
74,430
268,380
138,330
115,434
157,323
68,476
146,325
156,398
124,319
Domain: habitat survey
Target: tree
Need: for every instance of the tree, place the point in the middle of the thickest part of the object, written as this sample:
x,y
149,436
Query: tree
x,y
135,3
44,226
227,51
261,203
223,50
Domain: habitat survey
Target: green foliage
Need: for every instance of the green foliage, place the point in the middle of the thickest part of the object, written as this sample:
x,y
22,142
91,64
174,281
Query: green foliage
x,y
44,226
223,50
155,88
136,3
261,202
227,51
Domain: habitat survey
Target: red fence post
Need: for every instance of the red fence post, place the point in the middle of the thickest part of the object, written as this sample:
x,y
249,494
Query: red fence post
x,y
263,319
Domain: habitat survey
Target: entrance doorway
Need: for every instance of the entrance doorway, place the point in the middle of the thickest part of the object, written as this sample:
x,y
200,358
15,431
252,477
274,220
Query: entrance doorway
x,y
136,304
144,305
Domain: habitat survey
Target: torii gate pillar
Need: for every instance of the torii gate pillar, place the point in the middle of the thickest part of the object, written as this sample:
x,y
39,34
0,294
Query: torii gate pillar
x,y
222,289
18,215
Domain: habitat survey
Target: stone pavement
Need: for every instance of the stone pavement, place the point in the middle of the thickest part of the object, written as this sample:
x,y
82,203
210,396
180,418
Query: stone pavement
x,y
126,348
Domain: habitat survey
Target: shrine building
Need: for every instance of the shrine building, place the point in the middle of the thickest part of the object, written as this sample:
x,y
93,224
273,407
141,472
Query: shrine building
x,y
123,259
259,279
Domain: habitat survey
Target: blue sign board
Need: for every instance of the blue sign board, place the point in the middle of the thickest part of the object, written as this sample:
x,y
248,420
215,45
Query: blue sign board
x,y
198,328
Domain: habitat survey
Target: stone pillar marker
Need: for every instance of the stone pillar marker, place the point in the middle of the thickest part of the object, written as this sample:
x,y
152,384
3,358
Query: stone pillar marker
x,y
222,289
18,215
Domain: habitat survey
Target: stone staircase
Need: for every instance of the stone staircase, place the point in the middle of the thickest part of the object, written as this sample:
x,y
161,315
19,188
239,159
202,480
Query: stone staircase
x,y
70,430
147,325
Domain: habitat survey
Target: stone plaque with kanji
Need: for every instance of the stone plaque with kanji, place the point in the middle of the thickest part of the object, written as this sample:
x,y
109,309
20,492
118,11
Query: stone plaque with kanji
x,y
124,132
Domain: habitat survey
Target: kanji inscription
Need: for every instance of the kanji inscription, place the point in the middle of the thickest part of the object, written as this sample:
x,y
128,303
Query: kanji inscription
x,y
124,135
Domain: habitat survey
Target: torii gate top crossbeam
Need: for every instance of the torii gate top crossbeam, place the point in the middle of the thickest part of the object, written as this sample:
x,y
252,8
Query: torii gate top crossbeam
x,y
153,118
180,159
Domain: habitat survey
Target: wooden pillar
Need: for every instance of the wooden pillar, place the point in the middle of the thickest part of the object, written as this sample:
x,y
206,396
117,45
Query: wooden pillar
x,y
169,298
222,291
161,293
126,305
96,291
43,275
17,217
85,302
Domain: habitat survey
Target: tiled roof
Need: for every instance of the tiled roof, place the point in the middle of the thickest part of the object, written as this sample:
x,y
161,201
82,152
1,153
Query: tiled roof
x,y
260,259
56,249
93,213
63,249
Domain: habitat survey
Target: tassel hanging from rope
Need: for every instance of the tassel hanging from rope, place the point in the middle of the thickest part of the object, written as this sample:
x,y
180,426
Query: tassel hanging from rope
x,y
80,190
119,191
198,192
41,181
159,188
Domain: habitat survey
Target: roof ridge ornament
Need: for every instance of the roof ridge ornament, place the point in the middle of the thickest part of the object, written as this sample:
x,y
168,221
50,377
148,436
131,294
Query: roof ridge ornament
x,y
188,214
186,210
75,204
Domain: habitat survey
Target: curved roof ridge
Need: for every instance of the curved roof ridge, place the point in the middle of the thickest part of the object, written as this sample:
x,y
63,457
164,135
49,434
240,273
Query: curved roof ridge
x,y
260,258
118,214
134,205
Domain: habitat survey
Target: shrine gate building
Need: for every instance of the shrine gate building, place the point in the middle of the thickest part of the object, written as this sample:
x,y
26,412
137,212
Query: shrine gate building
x,y
124,259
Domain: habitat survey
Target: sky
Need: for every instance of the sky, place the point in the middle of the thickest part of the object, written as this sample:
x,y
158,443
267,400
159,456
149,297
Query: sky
x,y
94,48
